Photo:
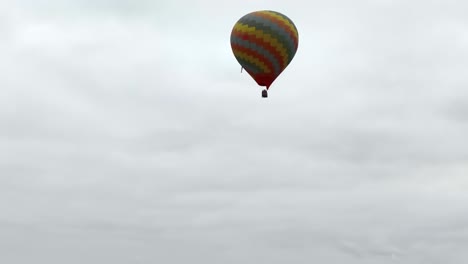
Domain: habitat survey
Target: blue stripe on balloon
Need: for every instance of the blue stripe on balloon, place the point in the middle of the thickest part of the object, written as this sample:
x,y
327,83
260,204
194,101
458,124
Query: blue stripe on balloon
x,y
268,26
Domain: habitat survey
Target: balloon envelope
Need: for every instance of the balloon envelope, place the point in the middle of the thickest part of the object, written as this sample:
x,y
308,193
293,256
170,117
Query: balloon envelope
x,y
264,43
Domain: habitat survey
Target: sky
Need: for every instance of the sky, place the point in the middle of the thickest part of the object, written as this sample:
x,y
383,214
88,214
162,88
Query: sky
x,y
128,134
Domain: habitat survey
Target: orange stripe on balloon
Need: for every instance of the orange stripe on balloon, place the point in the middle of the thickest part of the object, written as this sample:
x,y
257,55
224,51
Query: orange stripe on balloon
x,y
245,56
264,44
286,21
281,22
254,54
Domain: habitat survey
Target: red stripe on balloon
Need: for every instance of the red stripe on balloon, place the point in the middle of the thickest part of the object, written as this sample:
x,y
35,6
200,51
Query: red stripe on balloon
x,y
263,44
280,23
256,55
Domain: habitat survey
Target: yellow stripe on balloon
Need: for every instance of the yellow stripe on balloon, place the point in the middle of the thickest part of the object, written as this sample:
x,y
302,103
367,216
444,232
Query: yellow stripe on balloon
x,y
251,59
291,26
244,28
266,37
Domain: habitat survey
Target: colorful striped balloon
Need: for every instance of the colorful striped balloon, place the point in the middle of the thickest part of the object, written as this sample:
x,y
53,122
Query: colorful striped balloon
x,y
264,43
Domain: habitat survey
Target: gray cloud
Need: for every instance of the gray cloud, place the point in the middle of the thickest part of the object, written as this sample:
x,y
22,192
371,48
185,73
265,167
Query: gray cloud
x,y
128,135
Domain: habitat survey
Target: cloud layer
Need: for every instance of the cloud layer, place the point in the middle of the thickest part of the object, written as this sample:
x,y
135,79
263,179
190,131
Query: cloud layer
x,y
128,135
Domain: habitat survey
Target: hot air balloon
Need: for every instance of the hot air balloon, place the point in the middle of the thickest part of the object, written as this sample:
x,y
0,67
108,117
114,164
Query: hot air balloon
x,y
264,43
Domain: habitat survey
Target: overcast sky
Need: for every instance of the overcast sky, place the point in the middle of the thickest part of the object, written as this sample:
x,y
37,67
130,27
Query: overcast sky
x,y
129,135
